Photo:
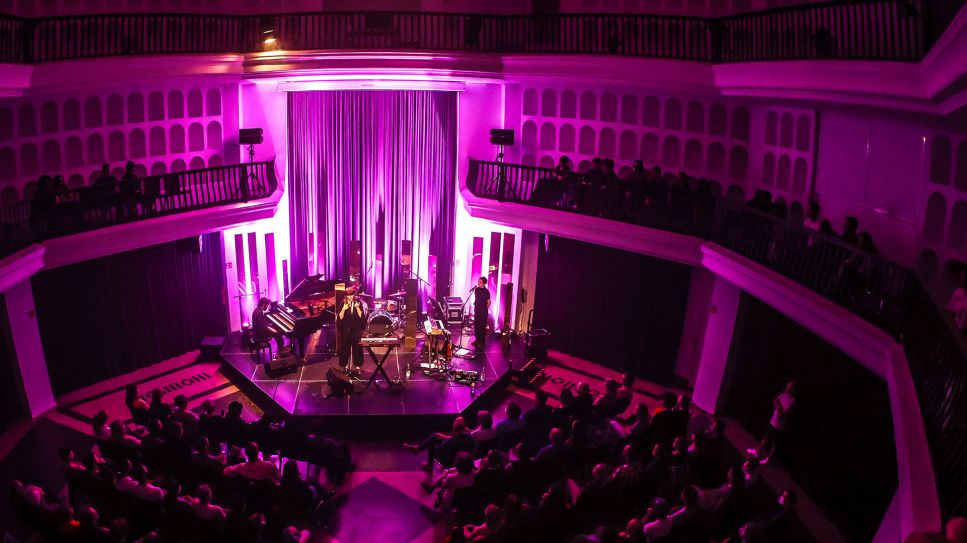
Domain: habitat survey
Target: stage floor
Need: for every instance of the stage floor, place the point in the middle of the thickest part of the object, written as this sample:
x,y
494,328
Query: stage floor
x,y
304,391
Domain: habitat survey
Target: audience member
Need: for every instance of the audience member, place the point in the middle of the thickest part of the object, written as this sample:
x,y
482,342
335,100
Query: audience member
x,y
850,231
254,468
444,447
957,305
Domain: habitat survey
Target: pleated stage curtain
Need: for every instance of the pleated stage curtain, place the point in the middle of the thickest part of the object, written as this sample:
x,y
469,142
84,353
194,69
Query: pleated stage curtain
x,y
374,166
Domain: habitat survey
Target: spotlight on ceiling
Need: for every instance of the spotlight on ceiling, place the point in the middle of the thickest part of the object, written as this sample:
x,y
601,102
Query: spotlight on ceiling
x,y
269,40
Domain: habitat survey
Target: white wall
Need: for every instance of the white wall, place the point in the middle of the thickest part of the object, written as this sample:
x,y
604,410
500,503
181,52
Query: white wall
x,y
874,169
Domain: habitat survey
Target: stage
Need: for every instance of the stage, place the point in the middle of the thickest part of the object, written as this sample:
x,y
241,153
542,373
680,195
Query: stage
x,y
303,392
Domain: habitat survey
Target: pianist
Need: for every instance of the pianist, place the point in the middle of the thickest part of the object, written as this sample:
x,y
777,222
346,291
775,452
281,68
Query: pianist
x,y
261,327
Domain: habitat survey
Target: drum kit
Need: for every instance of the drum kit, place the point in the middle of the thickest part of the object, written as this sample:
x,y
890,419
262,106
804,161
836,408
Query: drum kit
x,y
386,315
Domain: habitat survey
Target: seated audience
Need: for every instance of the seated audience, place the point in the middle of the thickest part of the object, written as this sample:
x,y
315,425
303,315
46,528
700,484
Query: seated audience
x,y
254,468
444,447
461,475
201,504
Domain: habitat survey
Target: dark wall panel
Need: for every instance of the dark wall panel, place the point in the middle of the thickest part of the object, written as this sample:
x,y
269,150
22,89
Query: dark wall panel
x,y
104,317
840,446
619,309
13,402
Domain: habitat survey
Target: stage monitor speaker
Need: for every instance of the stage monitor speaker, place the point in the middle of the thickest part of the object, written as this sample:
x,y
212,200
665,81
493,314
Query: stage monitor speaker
x,y
283,365
250,136
355,261
412,311
502,136
339,385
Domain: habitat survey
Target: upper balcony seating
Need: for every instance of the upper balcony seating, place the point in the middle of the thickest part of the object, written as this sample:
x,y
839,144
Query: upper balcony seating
x,y
883,292
869,30
55,211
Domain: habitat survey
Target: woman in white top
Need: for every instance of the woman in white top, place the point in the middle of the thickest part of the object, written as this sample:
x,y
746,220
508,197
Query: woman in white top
x,y
485,431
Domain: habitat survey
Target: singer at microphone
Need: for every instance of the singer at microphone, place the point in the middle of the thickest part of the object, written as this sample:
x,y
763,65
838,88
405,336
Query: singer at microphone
x,y
351,323
481,309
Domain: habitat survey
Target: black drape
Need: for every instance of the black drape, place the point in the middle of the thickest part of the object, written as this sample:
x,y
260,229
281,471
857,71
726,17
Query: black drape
x,y
840,441
373,166
13,403
619,309
104,317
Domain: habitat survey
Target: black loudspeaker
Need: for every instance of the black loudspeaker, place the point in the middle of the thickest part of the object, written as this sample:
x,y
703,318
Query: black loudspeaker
x,y
211,348
406,259
250,136
355,261
536,343
283,365
338,384
502,136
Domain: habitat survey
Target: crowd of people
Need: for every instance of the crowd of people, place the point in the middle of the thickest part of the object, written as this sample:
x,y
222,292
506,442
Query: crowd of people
x,y
584,472
796,241
601,191
175,475
54,207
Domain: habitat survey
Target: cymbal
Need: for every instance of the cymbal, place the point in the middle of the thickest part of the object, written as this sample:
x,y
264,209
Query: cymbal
x,y
400,294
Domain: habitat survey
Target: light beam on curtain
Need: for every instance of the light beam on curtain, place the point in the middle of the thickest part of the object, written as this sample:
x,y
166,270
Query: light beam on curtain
x,y
377,166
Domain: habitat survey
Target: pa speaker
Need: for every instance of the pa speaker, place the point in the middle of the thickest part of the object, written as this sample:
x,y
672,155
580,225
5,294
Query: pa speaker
x,y
250,136
338,385
283,365
501,136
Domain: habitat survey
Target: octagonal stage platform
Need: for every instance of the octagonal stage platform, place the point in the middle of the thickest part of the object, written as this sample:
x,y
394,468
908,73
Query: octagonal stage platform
x,y
304,392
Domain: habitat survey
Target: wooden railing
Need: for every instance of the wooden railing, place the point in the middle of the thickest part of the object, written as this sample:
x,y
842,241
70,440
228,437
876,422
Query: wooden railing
x,y
883,292
51,214
859,29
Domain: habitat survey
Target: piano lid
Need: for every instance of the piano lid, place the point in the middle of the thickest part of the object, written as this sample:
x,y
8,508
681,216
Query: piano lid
x,y
316,291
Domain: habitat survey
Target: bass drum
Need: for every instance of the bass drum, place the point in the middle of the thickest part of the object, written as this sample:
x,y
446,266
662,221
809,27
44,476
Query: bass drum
x,y
380,323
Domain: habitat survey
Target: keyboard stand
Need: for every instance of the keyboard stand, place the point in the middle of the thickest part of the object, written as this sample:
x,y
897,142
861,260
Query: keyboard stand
x,y
379,361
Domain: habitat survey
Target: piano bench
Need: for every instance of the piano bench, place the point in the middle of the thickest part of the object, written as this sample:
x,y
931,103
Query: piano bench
x,y
258,348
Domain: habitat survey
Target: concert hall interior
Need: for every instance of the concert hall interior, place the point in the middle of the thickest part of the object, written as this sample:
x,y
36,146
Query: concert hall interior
x,y
501,271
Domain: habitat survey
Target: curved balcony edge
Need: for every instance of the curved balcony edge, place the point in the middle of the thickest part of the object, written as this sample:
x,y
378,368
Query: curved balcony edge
x,y
917,501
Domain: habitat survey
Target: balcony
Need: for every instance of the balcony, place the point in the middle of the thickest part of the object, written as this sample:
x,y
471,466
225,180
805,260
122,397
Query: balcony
x,y
888,30
686,221
73,225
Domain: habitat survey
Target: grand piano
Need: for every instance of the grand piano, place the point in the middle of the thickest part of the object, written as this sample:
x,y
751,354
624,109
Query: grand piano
x,y
307,308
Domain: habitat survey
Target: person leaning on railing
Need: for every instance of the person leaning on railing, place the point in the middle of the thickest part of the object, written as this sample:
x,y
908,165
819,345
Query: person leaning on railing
x,y
105,187
130,193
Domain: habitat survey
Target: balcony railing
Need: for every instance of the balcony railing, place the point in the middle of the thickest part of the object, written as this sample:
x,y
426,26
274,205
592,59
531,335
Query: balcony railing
x,y
59,213
883,292
859,29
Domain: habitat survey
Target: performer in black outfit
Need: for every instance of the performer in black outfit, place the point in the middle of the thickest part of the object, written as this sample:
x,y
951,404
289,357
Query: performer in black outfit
x,y
352,323
261,327
481,307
